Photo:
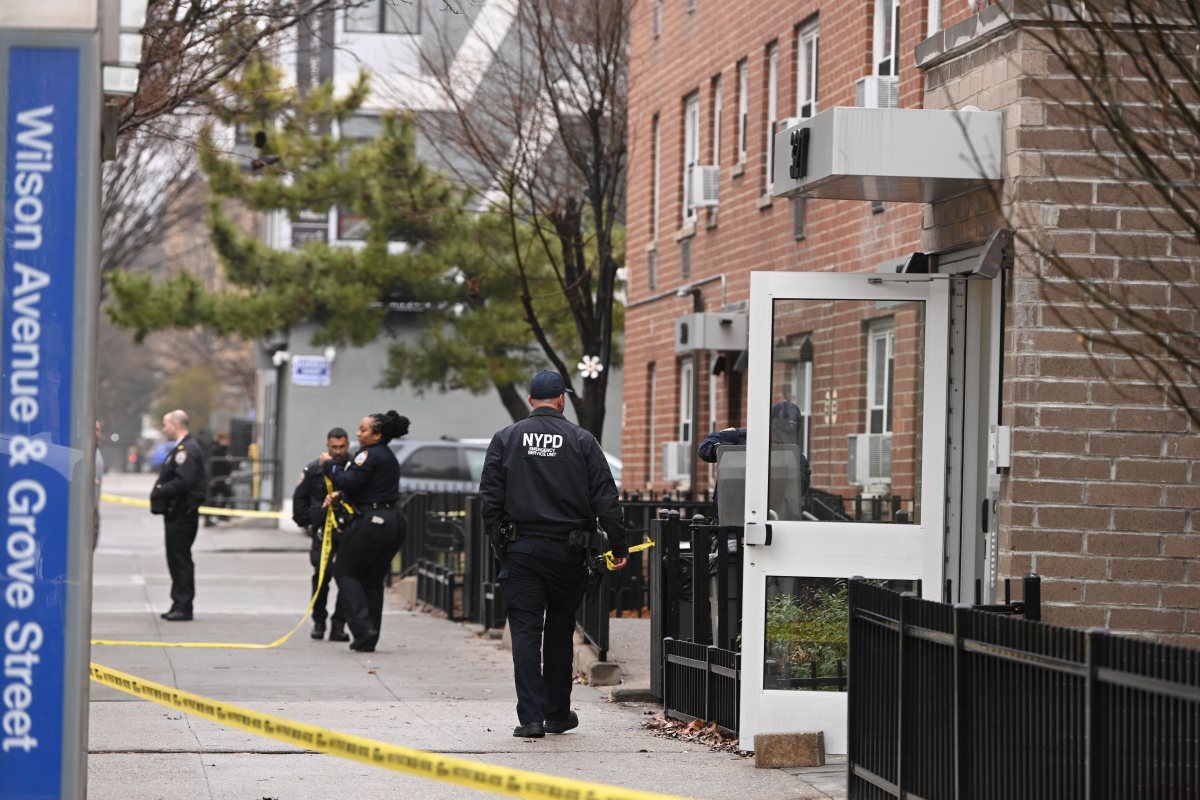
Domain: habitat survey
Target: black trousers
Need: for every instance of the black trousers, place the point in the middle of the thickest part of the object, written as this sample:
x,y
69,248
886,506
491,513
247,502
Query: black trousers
x,y
541,581
180,534
338,619
364,555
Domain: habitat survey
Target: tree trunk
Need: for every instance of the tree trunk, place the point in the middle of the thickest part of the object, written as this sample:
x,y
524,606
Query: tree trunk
x,y
514,401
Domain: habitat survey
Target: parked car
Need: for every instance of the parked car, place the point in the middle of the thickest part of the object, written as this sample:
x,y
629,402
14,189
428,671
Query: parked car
x,y
451,465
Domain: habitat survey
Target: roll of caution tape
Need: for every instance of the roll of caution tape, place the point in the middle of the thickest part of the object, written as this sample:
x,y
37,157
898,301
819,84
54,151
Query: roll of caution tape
x,y
326,550
447,769
208,511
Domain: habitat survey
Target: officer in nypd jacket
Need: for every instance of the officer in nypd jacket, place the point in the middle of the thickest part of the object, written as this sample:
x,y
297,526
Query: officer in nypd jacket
x,y
549,477
309,512
177,495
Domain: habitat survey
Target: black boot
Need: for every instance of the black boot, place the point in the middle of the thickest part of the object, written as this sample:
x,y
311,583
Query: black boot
x,y
318,631
338,634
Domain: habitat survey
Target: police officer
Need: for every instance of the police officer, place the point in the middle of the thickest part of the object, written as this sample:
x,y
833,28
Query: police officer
x,y
547,478
177,495
308,511
370,485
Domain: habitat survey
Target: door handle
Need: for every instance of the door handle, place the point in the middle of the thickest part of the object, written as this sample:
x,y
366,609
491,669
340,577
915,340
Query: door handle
x,y
758,534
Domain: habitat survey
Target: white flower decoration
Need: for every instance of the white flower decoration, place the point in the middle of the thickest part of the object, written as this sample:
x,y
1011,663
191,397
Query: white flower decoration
x,y
590,367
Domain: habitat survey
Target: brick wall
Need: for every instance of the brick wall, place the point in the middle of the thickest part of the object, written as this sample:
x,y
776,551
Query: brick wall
x,y
748,232
1102,495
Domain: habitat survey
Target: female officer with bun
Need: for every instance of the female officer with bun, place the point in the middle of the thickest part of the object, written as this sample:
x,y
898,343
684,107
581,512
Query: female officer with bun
x,y
370,485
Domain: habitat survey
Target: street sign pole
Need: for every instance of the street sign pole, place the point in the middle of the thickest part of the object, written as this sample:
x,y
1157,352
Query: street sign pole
x,y
49,170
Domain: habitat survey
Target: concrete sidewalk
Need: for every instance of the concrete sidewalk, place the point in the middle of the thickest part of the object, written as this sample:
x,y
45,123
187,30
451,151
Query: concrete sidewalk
x,y
432,685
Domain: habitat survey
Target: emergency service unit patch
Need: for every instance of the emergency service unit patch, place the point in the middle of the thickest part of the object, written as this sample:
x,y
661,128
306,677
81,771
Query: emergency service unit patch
x,y
542,444
181,457
361,458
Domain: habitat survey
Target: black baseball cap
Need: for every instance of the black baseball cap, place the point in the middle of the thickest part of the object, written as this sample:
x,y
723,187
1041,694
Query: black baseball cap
x,y
547,384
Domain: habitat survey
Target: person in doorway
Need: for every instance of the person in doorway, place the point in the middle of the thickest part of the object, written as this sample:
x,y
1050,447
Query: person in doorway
x,y
177,496
785,422
546,481
370,486
220,467
309,511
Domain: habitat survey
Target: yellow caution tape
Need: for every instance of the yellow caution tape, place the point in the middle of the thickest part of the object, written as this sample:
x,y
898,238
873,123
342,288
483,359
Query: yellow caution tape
x,y
609,561
326,549
460,771
208,511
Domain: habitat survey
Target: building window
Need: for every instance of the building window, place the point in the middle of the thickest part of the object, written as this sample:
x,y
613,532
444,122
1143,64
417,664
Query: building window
x,y
797,357
887,37
691,152
656,18
772,111
385,16
651,396
743,73
656,186
934,18
881,345
717,106
806,72
686,369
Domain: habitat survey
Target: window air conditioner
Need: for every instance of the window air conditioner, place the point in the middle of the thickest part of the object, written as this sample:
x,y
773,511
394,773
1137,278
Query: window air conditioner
x,y
676,458
877,91
705,185
869,458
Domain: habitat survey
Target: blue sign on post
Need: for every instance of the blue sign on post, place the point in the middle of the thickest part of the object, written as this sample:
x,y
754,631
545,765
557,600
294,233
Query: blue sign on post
x,y
41,137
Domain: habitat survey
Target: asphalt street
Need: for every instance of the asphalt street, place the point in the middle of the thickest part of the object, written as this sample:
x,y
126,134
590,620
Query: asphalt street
x,y
432,684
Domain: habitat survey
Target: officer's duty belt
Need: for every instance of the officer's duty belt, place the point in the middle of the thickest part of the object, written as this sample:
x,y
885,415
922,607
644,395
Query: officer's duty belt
x,y
554,537
376,506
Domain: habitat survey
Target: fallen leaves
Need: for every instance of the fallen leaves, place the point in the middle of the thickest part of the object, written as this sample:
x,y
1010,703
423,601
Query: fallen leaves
x,y
696,731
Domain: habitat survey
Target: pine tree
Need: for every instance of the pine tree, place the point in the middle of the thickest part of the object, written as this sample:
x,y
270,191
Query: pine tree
x,y
457,264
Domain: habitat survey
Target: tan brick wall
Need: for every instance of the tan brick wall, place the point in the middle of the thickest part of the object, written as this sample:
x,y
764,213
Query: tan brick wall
x,y
1101,498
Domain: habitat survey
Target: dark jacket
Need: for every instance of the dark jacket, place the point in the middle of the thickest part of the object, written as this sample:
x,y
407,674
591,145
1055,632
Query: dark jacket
x,y
309,495
372,476
549,475
182,481
708,451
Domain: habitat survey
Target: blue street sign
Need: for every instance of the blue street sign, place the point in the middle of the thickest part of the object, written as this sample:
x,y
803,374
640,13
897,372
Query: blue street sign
x,y
41,182
310,371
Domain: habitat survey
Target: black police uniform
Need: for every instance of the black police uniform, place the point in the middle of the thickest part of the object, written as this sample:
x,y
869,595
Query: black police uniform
x,y
307,512
550,477
370,484
177,495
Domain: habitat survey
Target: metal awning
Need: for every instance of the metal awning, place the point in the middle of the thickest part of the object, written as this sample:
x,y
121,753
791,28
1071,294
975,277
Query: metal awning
x,y
899,155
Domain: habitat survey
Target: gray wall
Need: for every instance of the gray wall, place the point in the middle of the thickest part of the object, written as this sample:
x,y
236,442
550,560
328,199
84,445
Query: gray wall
x,y
310,411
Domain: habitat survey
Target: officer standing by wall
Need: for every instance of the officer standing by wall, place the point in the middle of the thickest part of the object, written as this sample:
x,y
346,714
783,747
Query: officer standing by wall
x,y
370,485
308,511
546,481
177,495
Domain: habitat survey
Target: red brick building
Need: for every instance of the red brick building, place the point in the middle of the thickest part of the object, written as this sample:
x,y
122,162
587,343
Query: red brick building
x,y
1101,492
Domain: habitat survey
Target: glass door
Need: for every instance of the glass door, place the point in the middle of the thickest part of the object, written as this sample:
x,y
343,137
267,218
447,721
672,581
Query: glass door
x,y
845,476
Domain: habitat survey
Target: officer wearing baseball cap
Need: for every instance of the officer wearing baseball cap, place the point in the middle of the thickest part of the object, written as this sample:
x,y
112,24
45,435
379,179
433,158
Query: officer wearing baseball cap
x,y
546,480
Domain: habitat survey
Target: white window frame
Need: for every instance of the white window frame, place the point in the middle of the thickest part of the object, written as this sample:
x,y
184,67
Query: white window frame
x,y
772,111
880,331
656,18
686,429
743,108
718,107
934,18
691,152
807,73
384,10
886,63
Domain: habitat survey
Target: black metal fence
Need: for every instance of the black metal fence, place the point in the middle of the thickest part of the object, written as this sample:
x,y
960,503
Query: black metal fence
x,y
704,683
955,702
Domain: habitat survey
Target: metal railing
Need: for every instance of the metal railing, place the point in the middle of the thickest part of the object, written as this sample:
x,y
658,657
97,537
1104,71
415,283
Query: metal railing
x,y
701,683
956,702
